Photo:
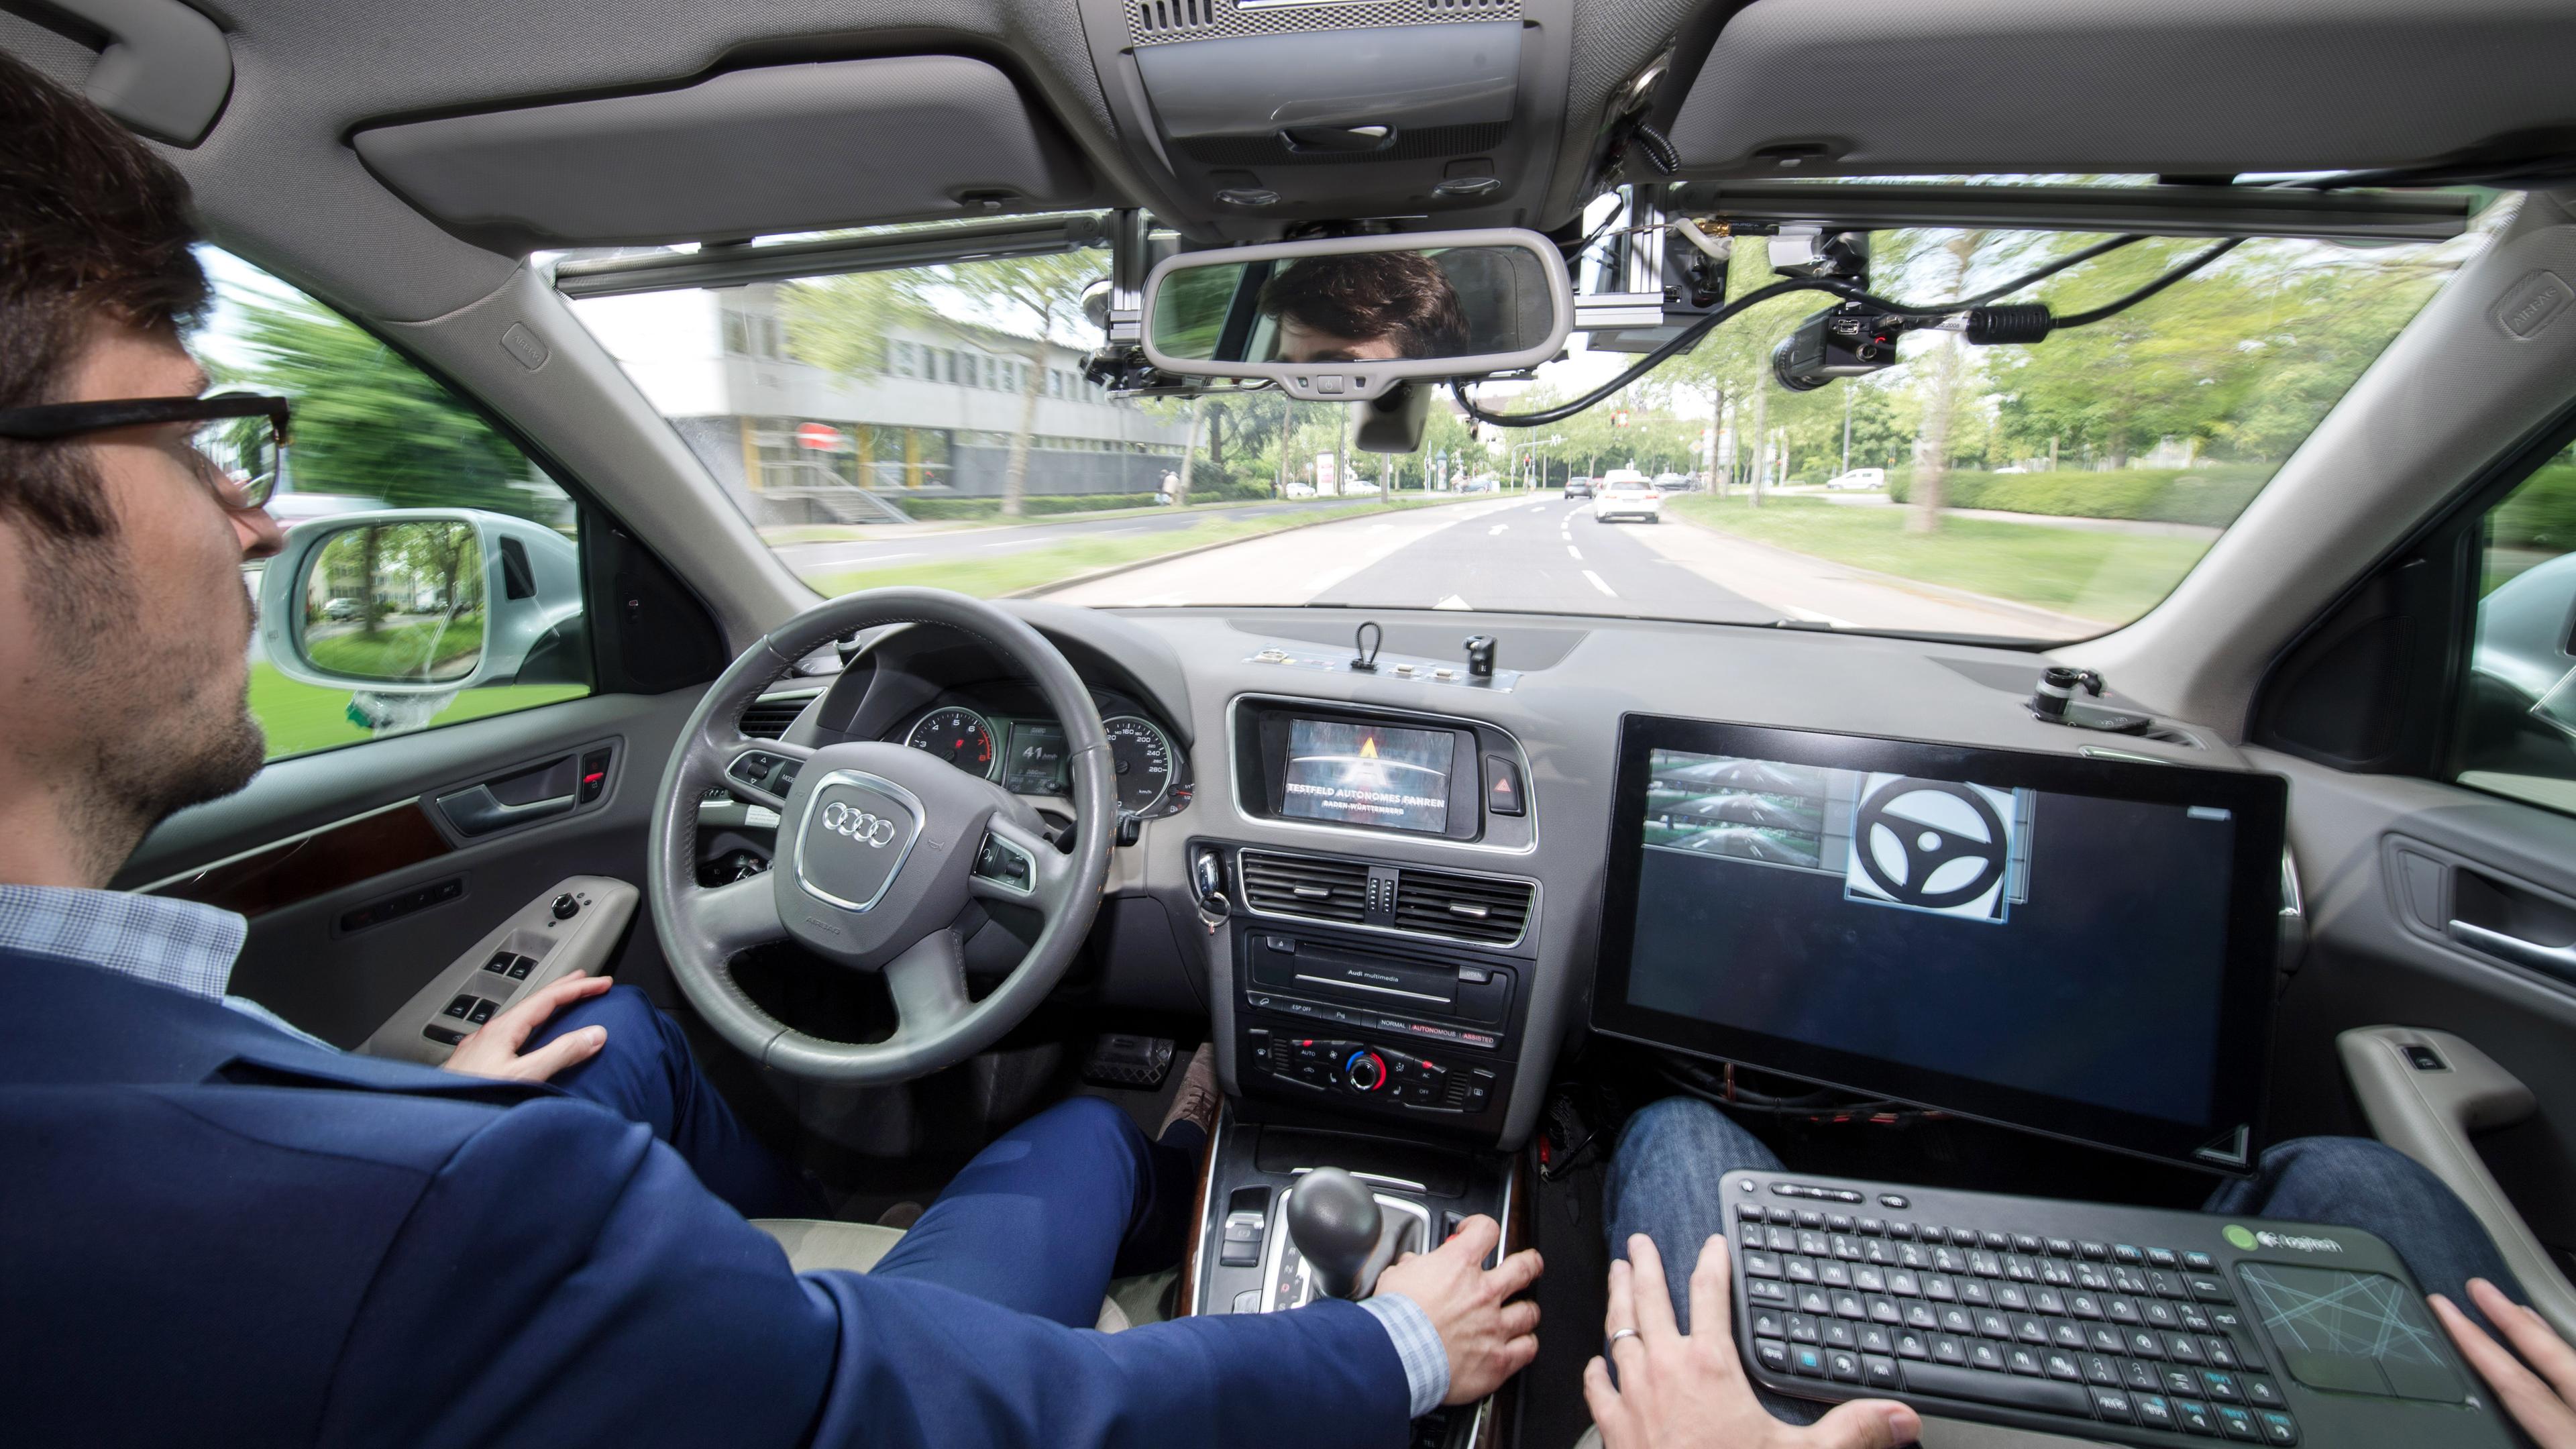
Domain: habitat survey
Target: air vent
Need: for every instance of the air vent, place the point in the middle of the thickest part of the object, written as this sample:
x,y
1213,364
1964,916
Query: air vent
x,y
1301,885
768,719
1463,907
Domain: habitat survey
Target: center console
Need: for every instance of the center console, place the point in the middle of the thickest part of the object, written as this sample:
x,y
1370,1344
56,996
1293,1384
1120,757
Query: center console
x,y
1361,982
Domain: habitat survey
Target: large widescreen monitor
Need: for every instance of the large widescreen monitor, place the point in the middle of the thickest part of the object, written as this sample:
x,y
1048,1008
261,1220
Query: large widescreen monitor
x,y
2077,946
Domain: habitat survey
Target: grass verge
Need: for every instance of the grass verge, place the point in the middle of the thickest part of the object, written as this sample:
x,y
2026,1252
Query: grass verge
x,y
1048,563
2112,577
301,718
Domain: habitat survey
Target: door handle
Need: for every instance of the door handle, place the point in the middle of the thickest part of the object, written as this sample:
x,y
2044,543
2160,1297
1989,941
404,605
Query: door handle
x,y
477,811
2558,961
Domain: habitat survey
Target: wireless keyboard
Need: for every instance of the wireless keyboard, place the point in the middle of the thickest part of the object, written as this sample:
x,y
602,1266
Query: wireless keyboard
x,y
2134,1325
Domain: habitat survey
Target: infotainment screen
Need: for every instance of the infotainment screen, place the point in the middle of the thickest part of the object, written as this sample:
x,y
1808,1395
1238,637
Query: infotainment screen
x,y
1368,774
2073,945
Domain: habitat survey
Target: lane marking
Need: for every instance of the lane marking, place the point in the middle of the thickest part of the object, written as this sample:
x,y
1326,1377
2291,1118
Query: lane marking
x,y
1596,583
1453,602
1014,543
1497,528
878,558
1570,548
1812,617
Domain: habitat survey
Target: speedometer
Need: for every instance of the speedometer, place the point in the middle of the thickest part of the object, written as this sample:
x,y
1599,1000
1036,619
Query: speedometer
x,y
959,736
1142,756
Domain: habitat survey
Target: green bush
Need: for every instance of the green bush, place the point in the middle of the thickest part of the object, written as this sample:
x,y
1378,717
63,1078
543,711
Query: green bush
x,y
2211,495
2541,514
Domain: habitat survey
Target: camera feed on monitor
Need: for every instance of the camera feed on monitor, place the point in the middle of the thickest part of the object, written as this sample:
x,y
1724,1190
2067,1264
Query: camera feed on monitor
x,y
1360,774
2060,944
1374,306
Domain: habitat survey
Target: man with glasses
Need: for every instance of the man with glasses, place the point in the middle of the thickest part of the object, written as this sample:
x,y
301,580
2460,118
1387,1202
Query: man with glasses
x,y
214,1229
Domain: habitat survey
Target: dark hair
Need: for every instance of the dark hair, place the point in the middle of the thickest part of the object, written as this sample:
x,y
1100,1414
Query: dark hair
x,y
93,227
1402,296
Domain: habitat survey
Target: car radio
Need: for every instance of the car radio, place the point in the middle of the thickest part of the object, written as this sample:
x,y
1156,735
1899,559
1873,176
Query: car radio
x,y
1333,1024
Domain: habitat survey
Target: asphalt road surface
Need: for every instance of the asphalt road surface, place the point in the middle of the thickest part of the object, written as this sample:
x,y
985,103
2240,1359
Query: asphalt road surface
x,y
1546,555
921,548
1542,554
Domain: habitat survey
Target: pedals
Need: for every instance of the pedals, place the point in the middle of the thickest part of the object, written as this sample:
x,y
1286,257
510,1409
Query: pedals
x,y
1135,1062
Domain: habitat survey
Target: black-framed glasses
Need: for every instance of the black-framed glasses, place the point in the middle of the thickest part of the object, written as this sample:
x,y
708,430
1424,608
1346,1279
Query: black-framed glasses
x,y
239,439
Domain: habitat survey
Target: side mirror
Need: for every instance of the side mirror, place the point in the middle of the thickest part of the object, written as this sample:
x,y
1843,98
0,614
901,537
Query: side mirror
x,y
423,601
1343,320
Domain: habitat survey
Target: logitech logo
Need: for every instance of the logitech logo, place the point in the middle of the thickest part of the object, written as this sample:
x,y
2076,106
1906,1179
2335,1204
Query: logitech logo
x,y
873,831
2246,1240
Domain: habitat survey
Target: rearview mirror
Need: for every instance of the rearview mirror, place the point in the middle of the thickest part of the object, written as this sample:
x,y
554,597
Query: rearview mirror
x,y
1345,318
423,601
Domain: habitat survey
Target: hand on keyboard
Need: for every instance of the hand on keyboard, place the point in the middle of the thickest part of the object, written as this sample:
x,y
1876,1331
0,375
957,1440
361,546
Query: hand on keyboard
x,y
2539,1402
1688,1391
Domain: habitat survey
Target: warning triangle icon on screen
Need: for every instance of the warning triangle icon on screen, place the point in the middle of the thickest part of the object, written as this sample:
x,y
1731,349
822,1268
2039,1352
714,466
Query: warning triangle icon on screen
x,y
2229,1148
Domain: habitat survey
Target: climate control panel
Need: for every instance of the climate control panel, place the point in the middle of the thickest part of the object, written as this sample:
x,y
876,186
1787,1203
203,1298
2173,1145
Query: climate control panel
x,y
1348,1069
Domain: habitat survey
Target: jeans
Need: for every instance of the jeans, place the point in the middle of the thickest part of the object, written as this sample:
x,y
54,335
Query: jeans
x,y
1038,1221
1665,1176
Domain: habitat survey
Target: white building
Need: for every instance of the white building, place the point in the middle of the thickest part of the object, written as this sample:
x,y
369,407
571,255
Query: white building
x,y
936,422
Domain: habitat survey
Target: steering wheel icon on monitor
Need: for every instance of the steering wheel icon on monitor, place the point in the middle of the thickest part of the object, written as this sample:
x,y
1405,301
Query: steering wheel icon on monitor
x,y
1909,834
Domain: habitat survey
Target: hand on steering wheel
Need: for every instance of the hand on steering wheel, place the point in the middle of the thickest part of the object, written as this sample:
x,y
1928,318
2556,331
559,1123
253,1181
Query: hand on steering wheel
x,y
880,851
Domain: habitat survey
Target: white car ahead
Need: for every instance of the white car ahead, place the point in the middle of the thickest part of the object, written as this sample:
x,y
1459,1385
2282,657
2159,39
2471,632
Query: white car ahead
x,y
1627,495
1863,478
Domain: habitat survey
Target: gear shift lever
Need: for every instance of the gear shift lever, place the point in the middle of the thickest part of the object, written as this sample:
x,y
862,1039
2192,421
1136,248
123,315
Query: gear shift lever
x,y
1334,1220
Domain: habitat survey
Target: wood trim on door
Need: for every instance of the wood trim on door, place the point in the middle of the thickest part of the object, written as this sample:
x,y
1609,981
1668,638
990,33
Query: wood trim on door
x,y
315,863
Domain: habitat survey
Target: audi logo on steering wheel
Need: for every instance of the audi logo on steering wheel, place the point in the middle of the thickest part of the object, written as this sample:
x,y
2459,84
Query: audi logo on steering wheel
x,y
873,831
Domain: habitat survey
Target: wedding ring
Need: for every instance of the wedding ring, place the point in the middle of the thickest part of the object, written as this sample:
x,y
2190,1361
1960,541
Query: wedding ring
x,y
1618,1334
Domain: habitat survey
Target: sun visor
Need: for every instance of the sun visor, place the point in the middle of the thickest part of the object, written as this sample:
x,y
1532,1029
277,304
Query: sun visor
x,y
2166,87
747,153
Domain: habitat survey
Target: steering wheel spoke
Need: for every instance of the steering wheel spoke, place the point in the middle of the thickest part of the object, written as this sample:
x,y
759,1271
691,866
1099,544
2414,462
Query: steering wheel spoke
x,y
928,984
763,772
1021,867
737,916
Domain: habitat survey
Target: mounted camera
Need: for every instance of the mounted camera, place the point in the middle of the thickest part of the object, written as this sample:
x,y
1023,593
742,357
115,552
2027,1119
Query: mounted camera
x,y
1850,340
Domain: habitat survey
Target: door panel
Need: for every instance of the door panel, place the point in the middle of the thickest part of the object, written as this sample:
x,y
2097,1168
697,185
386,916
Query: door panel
x,y
2388,862
352,919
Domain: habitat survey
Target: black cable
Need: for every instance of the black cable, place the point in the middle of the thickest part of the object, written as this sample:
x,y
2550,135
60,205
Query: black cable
x,y
2021,326
2087,319
1688,337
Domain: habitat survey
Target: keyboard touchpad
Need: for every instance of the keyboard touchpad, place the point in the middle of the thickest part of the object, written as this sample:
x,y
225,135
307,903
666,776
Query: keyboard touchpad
x,y
2352,1332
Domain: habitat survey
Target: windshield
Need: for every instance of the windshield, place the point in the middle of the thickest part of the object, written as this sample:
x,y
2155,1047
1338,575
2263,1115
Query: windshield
x,y
933,426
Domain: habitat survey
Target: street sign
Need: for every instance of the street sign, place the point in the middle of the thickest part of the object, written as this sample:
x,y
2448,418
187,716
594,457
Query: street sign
x,y
822,439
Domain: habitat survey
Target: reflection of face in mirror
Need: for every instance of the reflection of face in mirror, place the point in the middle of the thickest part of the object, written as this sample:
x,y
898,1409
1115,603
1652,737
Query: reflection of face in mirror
x,y
1366,307
397,602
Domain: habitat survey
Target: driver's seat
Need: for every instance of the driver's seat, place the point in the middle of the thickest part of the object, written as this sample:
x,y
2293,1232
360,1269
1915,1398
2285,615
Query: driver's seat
x,y
814,1244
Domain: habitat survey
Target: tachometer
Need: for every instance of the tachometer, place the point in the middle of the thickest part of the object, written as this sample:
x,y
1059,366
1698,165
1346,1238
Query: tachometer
x,y
1142,756
959,736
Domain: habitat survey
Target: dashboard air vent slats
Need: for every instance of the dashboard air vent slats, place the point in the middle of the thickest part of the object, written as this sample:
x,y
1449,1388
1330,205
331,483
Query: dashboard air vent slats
x,y
768,719
1300,885
1463,907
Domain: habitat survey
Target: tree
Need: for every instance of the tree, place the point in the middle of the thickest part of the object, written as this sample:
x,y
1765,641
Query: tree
x,y
367,422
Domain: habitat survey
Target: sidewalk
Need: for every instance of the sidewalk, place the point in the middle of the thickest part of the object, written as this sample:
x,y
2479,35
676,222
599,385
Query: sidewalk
x,y
2135,527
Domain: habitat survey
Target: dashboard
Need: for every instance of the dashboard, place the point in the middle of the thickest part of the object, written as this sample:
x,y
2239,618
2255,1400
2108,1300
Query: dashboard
x,y
1384,888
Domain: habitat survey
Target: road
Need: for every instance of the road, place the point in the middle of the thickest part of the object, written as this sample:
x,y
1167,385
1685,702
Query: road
x,y
902,546
1542,554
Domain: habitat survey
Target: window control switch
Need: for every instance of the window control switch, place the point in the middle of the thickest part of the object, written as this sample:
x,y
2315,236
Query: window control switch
x,y
459,1007
482,1011
499,965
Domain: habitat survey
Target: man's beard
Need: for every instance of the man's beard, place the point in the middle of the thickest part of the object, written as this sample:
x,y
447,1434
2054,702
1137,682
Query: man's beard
x,y
162,731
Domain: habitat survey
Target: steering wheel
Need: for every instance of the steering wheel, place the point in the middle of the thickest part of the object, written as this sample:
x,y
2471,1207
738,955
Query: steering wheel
x,y
881,851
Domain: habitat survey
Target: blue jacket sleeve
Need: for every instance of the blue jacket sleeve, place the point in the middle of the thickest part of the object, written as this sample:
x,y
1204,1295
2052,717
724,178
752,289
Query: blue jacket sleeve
x,y
565,1280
